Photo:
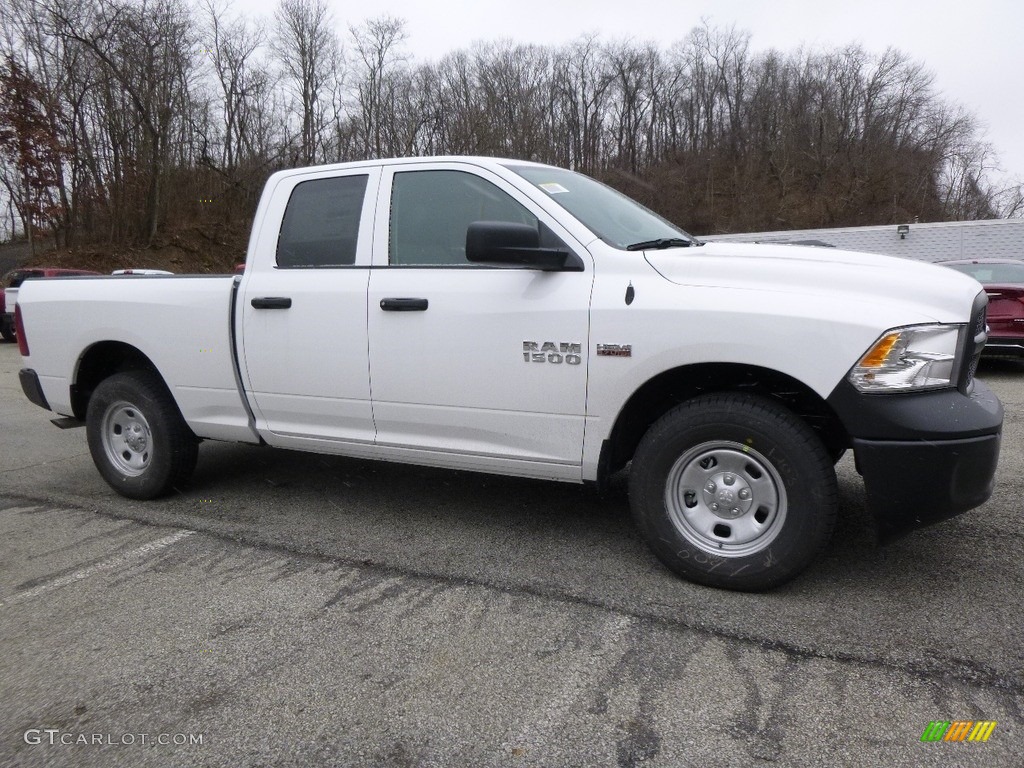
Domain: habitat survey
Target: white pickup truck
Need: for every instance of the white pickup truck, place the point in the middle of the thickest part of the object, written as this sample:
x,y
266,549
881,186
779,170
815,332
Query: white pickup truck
x,y
509,317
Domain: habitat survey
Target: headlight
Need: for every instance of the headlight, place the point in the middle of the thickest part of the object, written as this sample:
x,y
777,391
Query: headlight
x,y
911,358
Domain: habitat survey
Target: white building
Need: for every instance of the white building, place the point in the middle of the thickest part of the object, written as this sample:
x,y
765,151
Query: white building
x,y
995,238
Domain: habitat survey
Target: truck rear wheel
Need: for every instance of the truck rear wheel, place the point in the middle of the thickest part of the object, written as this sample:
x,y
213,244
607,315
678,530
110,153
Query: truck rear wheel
x,y
137,437
733,491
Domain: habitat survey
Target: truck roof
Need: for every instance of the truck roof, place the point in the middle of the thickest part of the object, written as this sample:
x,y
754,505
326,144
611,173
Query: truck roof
x,y
477,160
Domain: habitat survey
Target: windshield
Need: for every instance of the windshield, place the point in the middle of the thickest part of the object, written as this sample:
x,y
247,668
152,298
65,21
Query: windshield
x,y
992,273
618,220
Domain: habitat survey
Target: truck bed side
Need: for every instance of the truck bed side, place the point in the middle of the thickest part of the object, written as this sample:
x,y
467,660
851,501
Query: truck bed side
x,y
179,324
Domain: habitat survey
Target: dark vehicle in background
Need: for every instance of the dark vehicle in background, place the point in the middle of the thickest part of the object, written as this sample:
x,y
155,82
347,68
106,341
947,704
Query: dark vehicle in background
x,y
13,280
6,324
1003,280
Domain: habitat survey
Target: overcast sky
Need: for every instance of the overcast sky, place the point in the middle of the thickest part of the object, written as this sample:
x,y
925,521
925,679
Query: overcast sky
x,y
975,48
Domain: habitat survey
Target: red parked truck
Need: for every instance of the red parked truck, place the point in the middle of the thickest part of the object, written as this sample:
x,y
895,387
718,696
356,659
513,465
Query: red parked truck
x,y
1003,281
13,281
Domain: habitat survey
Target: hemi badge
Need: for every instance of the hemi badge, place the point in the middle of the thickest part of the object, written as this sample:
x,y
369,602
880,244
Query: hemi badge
x,y
615,350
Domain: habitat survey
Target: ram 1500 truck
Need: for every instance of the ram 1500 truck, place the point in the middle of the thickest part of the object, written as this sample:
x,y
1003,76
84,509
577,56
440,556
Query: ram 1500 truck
x,y
509,317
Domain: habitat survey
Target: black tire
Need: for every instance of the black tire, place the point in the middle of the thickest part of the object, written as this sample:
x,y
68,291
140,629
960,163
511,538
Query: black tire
x,y
7,331
137,437
733,491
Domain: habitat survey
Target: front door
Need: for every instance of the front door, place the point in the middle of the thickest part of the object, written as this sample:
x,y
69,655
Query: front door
x,y
473,366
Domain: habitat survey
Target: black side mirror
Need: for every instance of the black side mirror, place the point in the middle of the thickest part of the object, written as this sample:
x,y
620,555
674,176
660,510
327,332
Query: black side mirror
x,y
506,244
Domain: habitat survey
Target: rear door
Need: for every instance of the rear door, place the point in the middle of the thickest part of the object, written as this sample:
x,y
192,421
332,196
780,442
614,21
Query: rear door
x,y
303,333
473,366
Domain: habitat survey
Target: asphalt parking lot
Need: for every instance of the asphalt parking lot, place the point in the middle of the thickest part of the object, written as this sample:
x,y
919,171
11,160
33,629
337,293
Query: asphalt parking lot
x,y
292,609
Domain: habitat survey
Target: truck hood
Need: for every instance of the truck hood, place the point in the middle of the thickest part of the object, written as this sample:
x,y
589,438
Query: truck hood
x,y
939,293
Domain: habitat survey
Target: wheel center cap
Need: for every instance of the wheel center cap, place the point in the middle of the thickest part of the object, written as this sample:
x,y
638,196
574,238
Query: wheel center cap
x,y
135,437
728,495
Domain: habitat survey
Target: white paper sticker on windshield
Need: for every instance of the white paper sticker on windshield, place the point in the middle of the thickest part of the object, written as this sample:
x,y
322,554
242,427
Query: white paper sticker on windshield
x,y
552,188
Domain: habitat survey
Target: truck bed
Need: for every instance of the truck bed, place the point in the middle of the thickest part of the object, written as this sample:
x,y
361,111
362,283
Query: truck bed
x,y
181,323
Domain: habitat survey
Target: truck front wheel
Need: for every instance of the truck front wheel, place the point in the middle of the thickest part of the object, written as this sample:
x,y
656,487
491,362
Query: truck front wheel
x,y
137,437
732,490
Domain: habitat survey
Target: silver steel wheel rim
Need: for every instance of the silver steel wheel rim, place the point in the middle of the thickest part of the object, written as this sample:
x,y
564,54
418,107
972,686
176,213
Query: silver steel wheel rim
x,y
127,439
726,499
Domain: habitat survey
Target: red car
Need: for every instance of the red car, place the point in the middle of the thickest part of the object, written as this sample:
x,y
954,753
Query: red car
x,y
1003,280
6,327
13,279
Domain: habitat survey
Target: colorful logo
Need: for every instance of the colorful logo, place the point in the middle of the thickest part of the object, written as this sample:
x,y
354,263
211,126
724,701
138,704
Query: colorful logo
x,y
958,730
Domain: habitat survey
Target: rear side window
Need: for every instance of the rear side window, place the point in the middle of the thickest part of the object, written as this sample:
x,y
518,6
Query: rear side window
x,y
321,223
431,211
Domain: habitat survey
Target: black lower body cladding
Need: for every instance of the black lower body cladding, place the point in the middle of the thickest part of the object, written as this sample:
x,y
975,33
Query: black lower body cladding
x,y
32,388
924,456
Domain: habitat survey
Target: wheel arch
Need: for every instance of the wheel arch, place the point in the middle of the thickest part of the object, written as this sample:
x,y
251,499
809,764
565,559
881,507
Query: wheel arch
x,y
666,390
99,362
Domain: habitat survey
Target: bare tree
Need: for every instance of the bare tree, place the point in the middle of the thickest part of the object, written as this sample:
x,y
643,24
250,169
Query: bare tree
x,y
632,71
233,48
379,60
307,47
241,150
148,51
29,148
582,83
131,120
459,126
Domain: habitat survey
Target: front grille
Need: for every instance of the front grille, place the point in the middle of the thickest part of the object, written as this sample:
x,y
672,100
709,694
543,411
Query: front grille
x,y
979,323
975,342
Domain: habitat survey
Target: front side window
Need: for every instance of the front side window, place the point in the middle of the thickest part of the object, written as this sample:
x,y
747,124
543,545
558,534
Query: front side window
x,y
321,223
432,210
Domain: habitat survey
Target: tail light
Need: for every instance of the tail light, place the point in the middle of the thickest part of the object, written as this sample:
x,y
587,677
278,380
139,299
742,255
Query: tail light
x,y
19,328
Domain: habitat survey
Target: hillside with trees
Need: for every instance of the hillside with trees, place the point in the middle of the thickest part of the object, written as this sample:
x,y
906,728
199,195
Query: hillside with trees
x,y
127,124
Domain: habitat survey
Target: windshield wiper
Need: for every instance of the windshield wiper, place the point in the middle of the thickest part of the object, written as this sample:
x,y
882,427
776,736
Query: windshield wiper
x,y
660,244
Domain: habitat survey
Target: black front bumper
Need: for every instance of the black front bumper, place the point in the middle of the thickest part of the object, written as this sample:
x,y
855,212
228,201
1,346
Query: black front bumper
x,y
1005,345
925,457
